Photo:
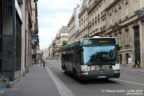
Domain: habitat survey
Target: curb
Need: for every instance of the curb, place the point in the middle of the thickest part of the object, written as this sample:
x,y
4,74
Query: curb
x,y
133,69
12,84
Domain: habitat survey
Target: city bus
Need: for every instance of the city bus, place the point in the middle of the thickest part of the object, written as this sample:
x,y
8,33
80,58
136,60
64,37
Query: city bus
x,y
92,58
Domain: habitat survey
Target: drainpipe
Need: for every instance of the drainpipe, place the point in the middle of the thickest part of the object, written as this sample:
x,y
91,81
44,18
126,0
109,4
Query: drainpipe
x,y
13,39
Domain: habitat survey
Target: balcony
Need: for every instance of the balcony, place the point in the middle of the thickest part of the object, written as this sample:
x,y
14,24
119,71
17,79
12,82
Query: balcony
x,y
103,28
83,10
112,4
96,2
35,31
116,27
103,14
140,12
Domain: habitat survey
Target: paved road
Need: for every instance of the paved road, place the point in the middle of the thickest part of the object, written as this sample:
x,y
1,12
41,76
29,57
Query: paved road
x,y
52,81
130,83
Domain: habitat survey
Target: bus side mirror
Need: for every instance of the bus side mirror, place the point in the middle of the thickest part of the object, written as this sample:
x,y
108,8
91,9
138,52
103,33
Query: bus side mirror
x,y
117,47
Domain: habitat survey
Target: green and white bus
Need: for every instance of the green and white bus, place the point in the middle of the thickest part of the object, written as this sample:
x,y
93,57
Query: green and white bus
x,y
92,58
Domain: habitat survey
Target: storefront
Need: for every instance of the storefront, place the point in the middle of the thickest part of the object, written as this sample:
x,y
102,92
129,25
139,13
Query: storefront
x,y
10,39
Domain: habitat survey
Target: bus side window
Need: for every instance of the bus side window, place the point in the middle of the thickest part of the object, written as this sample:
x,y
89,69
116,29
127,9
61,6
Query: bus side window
x,y
67,57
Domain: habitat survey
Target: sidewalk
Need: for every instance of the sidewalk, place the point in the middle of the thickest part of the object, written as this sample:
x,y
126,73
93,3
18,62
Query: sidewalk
x,y
132,69
36,83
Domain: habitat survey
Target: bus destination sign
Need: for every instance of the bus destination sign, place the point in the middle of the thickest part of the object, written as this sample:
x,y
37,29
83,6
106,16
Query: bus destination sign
x,y
101,41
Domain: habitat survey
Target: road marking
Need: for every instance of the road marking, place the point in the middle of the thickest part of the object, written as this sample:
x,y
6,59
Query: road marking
x,y
129,82
60,68
62,88
53,65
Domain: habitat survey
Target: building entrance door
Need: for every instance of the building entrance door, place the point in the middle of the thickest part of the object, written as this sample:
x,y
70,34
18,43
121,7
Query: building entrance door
x,y
137,43
120,59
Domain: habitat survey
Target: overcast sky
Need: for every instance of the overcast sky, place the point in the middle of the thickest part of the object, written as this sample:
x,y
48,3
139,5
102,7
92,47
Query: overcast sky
x,y
53,14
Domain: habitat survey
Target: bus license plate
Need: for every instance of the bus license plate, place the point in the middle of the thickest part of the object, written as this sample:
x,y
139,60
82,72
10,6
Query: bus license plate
x,y
93,68
101,76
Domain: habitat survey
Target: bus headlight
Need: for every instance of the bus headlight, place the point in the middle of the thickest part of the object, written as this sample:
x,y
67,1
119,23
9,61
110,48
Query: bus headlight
x,y
116,67
117,71
85,68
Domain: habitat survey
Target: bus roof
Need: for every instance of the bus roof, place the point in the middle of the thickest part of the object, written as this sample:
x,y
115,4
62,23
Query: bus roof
x,y
79,43
71,45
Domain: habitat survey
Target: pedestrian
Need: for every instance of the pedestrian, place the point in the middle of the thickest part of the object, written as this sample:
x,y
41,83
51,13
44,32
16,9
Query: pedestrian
x,y
136,63
130,62
43,63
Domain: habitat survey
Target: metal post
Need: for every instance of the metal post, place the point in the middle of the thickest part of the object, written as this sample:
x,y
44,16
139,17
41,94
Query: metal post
x,y
1,34
13,39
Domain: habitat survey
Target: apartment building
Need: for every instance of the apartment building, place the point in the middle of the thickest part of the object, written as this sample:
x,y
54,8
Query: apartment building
x,y
54,48
35,38
92,18
83,21
96,17
125,22
73,26
122,19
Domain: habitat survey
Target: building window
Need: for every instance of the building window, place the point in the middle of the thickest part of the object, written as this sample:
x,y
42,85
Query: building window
x,y
120,59
115,35
110,1
116,17
127,56
104,22
136,4
104,3
120,39
127,10
127,34
110,20
127,38
120,14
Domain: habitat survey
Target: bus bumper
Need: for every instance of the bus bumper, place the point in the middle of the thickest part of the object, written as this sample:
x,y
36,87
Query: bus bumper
x,y
100,74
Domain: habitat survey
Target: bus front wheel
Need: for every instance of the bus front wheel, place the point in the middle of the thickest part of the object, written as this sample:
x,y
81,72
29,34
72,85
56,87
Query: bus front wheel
x,y
75,74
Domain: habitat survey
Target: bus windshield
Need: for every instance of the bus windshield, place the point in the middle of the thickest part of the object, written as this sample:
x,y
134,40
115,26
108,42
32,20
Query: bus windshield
x,y
99,55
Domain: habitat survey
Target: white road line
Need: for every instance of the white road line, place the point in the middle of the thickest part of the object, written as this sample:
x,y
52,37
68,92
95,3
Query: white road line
x,y
60,68
54,66
62,88
129,82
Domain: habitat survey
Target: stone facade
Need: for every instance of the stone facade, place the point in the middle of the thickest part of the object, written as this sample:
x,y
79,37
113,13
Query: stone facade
x,y
122,19
55,47
73,26
35,38
97,17
83,21
124,24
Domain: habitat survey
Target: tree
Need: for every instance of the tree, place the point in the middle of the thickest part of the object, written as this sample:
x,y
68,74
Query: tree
x,y
64,43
